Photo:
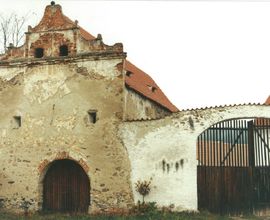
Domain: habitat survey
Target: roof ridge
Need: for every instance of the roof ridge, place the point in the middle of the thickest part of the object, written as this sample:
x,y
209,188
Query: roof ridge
x,y
223,106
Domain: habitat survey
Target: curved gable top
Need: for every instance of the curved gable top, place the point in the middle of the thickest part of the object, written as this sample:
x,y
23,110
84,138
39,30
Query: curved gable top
x,y
54,19
142,83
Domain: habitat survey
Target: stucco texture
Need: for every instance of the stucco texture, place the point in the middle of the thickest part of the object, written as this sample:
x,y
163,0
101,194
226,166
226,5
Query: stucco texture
x,y
53,101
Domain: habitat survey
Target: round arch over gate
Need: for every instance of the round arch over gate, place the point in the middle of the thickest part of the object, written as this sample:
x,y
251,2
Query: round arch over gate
x,y
233,173
66,187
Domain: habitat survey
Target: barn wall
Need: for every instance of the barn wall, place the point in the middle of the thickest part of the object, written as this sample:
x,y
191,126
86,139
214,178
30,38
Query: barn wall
x,y
164,150
53,101
45,105
138,107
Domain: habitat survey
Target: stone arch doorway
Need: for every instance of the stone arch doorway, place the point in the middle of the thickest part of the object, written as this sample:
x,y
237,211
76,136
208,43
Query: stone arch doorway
x,y
66,188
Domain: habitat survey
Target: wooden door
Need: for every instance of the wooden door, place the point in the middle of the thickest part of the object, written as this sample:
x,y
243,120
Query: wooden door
x,y
66,188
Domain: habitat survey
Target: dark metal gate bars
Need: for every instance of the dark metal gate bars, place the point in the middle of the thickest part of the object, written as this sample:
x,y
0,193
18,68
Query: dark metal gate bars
x,y
233,174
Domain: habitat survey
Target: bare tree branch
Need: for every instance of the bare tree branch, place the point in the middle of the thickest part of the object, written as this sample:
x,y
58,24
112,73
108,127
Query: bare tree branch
x,y
12,28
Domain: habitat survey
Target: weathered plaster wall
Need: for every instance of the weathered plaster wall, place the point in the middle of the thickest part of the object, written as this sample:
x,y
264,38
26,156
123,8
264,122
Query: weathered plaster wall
x,y
164,150
52,101
138,107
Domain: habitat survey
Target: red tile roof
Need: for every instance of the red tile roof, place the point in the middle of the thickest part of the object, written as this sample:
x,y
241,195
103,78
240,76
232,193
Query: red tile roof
x,y
263,121
54,18
84,33
267,102
142,83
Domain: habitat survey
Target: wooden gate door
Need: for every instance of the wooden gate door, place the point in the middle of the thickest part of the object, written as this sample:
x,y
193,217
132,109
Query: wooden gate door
x,y
233,166
66,188
261,166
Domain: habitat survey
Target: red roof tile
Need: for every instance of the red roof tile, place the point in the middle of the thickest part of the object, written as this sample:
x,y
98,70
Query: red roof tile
x,y
146,86
267,102
86,35
54,18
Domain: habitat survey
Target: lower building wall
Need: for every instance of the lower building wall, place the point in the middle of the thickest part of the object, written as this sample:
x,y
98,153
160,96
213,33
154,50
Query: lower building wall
x,y
114,154
45,117
24,164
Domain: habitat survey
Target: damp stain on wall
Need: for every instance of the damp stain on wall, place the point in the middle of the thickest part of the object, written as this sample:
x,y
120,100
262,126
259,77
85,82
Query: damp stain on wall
x,y
175,166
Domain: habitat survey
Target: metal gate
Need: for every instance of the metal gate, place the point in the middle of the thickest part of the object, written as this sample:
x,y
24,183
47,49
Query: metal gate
x,y
233,173
66,188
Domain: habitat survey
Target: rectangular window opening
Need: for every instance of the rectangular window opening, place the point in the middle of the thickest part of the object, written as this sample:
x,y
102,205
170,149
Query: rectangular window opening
x,y
18,121
152,88
129,74
92,116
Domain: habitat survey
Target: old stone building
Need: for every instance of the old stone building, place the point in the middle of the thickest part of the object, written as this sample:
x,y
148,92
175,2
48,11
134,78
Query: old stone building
x,y
64,94
80,125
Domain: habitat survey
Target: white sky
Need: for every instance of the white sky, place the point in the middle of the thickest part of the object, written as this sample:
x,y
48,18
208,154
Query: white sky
x,y
200,53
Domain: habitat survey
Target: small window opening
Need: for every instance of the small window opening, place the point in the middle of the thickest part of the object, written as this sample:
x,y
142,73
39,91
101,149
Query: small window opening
x,y
128,73
152,88
17,121
63,50
92,116
39,52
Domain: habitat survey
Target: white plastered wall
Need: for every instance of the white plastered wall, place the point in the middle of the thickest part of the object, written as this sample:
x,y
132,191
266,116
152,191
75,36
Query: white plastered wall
x,y
165,151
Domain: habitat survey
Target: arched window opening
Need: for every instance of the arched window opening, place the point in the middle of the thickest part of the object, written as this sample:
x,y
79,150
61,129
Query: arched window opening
x,y
63,50
39,52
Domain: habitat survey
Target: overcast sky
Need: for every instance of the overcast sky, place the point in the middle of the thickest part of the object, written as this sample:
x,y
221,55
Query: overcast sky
x,y
200,53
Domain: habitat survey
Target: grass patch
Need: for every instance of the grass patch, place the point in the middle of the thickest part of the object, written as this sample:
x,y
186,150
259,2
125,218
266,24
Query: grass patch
x,y
140,211
159,215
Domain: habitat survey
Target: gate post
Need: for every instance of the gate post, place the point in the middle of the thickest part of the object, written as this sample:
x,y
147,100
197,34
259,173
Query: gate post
x,y
251,159
251,144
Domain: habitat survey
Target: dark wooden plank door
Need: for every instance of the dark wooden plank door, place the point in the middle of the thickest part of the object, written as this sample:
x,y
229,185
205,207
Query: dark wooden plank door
x,y
236,190
66,188
225,190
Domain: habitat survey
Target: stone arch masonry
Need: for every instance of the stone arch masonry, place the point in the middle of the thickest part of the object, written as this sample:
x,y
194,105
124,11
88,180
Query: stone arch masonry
x,y
60,156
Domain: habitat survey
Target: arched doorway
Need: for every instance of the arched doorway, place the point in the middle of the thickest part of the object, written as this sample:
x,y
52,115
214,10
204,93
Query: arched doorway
x,y
66,188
